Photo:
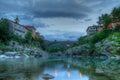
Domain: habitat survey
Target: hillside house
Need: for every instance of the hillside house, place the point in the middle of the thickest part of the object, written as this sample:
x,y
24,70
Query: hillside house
x,y
91,30
16,28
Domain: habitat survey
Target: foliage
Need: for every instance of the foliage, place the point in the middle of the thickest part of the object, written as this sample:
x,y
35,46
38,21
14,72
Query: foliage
x,y
83,40
17,38
105,19
117,29
4,34
115,36
116,14
28,37
2,45
55,49
42,43
100,36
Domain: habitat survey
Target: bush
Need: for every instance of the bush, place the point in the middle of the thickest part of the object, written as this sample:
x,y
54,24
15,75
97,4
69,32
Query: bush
x,y
83,40
17,38
100,36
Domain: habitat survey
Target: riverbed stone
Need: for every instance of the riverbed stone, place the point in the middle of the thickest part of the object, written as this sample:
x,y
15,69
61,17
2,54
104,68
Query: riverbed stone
x,y
11,53
47,76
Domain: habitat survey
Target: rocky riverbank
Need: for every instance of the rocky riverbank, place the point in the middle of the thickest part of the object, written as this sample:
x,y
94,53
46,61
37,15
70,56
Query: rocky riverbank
x,y
108,47
23,53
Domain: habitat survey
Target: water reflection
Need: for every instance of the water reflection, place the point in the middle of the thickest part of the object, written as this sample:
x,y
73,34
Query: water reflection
x,y
80,73
68,74
56,72
70,69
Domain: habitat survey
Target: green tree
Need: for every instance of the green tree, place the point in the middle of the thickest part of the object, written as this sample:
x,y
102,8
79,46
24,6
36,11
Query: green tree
x,y
116,14
28,37
17,38
42,43
4,30
105,19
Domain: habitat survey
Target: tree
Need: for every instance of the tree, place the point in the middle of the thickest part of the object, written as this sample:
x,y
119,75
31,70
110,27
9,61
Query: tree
x,y
4,30
16,38
42,43
105,19
116,14
28,36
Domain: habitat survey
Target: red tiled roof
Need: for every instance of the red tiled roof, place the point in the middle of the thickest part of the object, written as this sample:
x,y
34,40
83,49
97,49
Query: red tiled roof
x,y
30,27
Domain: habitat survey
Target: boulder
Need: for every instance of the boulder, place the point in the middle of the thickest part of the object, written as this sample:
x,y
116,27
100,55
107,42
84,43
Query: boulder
x,y
99,71
79,50
47,76
115,57
11,54
3,56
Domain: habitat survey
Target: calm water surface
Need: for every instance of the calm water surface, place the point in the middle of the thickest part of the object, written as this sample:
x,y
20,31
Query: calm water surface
x,y
61,69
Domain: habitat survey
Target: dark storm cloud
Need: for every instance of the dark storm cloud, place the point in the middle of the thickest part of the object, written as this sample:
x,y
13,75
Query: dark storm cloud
x,y
38,13
52,8
45,8
51,14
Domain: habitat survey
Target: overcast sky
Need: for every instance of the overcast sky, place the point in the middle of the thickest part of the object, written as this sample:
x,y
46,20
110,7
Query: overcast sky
x,y
57,19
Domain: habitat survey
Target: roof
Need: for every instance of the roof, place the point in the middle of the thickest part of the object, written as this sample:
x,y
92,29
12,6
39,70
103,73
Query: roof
x,y
95,26
30,27
15,23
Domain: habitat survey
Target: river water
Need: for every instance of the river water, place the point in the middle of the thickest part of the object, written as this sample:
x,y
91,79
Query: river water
x,y
61,69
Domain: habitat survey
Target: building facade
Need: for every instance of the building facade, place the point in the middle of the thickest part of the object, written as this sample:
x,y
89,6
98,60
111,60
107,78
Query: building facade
x,y
91,30
17,29
31,29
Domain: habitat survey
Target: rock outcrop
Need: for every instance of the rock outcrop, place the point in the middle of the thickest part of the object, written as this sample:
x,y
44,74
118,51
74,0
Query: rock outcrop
x,y
82,50
27,52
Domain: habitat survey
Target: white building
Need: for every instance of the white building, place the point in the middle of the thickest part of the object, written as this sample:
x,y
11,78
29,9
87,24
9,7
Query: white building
x,y
17,29
91,30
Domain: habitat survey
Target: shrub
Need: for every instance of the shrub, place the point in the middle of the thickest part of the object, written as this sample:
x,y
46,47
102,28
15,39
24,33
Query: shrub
x,y
100,36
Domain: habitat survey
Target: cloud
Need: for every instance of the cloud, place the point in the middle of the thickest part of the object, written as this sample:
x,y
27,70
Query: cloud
x,y
46,8
56,8
61,36
88,19
69,17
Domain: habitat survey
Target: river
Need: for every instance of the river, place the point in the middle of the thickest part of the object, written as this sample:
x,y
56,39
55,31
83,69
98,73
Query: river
x,y
61,69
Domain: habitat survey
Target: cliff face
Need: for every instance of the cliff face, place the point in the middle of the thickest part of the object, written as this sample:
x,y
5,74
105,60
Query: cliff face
x,y
108,46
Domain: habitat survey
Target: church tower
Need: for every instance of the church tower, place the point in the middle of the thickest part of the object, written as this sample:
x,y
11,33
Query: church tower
x,y
17,20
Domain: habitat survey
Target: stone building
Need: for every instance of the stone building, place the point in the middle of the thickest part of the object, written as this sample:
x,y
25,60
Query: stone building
x,y
31,29
91,30
16,28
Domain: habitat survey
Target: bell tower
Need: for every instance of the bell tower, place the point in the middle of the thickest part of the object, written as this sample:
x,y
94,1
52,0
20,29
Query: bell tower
x,y
17,20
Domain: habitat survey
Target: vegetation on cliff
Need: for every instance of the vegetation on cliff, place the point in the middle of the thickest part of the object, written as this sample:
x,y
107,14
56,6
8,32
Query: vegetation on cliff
x,y
6,36
106,41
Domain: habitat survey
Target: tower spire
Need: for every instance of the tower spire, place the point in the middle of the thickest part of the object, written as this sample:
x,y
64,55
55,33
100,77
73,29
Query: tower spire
x,y
17,20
